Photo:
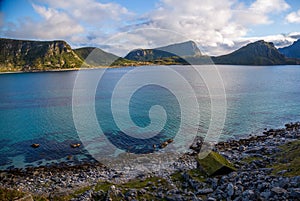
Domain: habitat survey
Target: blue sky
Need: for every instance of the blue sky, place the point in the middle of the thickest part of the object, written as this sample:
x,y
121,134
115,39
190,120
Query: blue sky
x,y
217,26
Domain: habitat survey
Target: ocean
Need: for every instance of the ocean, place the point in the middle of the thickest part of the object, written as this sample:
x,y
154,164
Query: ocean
x,y
131,109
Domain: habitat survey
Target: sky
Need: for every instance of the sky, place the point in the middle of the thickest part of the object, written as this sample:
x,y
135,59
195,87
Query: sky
x,y
118,26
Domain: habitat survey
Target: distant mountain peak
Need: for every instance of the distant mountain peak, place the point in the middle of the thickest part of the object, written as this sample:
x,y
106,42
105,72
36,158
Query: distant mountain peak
x,y
256,53
184,49
292,51
188,48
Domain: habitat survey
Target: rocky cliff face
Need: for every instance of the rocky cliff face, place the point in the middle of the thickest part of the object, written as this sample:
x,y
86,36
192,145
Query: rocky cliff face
x,y
37,55
185,49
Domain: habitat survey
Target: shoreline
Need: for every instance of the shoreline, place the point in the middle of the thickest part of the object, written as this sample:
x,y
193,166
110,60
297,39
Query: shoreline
x,y
253,157
111,67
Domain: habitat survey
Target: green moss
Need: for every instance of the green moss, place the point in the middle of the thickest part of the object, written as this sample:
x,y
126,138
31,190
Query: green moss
x,y
9,194
138,184
249,159
197,175
39,198
177,177
133,184
68,197
103,185
288,159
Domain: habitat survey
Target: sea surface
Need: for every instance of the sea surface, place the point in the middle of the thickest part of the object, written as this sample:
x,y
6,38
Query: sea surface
x,y
55,109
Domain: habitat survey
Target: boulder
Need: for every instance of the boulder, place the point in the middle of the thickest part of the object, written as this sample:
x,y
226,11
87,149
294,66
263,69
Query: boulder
x,y
215,164
278,190
35,145
197,144
295,192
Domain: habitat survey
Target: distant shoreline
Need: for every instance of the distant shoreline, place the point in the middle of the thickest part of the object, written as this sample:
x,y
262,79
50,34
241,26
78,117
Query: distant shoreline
x,y
105,67
60,70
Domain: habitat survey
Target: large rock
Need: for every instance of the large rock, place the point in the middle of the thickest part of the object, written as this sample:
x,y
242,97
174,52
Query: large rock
x,y
215,164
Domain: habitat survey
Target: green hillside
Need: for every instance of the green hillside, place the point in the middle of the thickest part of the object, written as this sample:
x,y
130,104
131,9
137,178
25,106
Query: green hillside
x,y
36,55
257,53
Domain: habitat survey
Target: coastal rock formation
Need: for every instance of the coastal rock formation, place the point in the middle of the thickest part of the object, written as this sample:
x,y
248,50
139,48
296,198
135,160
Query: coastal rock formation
x,y
29,55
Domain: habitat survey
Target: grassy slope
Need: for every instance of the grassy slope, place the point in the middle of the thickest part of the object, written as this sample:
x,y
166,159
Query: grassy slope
x,y
288,159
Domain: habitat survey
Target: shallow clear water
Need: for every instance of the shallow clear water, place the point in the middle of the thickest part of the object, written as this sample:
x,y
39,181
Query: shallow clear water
x,y
37,108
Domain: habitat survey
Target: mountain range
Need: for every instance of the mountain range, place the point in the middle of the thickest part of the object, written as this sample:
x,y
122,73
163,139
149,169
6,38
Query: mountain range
x,y
26,55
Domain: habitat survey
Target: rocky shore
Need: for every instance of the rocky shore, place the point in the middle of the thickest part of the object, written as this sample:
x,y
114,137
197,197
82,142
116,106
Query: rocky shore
x,y
264,167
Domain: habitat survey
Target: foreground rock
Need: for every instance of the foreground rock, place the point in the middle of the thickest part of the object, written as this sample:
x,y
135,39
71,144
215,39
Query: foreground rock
x,y
215,164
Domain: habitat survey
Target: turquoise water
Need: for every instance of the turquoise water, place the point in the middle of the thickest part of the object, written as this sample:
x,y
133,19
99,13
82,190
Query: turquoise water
x,y
37,108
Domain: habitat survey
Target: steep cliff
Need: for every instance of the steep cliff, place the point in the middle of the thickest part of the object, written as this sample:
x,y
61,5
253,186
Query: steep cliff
x,y
36,55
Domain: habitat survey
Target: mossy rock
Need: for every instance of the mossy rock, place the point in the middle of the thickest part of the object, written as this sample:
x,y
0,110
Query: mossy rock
x,y
215,164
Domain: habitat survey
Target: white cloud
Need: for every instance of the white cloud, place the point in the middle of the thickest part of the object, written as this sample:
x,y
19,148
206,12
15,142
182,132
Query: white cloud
x,y
53,25
258,12
293,17
217,26
208,23
68,20
56,24
267,6
90,11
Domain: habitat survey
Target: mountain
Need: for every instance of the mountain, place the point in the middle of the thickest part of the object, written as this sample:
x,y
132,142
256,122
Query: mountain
x,y
292,51
36,55
95,57
184,49
26,55
257,53
147,55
